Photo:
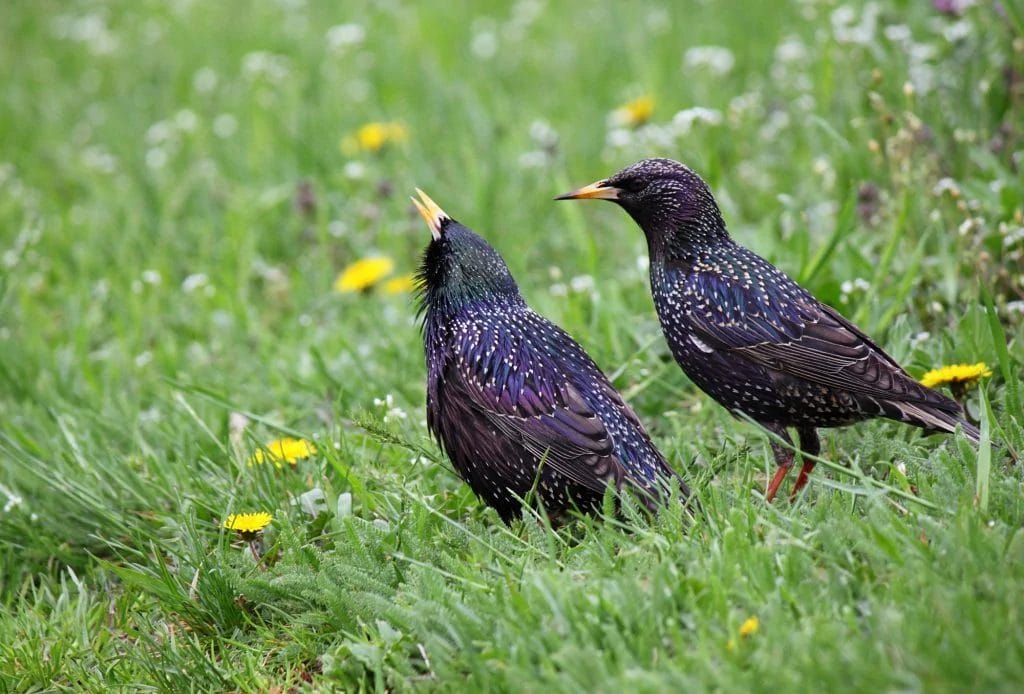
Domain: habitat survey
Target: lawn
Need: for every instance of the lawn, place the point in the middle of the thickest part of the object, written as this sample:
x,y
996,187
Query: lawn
x,y
182,185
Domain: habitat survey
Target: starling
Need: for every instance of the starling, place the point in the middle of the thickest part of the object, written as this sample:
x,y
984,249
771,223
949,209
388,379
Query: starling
x,y
518,406
752,338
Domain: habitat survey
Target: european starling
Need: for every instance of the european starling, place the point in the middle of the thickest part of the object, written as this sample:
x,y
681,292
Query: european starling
x,y
748,335
518,406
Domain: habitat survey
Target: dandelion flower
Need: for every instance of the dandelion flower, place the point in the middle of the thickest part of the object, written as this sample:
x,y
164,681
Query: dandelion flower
x,y
363,274
248,524
747,629
634,113
286,450
403,284
956,375
373,137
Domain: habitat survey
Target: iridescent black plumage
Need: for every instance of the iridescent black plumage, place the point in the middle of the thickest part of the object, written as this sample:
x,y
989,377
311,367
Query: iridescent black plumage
x,y
514,401
748,335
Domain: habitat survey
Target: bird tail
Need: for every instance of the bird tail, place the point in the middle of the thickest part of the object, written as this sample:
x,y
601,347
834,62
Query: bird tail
x,y
944,416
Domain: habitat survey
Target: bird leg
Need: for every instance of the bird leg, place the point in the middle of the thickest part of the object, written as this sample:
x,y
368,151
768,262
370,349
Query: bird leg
x,y
783,458
810,444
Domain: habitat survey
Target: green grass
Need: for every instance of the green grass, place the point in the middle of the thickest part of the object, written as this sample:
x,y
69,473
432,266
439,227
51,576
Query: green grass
x,y
159,282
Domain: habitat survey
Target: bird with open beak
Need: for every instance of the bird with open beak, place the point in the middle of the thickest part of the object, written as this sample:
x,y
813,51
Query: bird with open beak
x,y
518,406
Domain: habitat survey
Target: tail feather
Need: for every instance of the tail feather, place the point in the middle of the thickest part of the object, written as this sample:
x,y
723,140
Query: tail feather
x,y
933,418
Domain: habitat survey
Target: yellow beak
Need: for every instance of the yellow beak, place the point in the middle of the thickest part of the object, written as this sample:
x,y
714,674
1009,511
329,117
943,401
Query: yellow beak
x,y
598,190
431,212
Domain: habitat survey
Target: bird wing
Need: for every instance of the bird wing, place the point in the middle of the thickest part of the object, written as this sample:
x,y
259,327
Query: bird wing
x,y
792,332
541,410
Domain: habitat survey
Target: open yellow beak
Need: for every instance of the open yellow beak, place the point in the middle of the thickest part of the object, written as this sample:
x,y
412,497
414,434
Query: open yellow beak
x,y
431,212
598,190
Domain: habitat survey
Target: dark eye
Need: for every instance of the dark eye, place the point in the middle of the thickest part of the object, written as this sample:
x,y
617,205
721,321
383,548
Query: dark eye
x,y
629,185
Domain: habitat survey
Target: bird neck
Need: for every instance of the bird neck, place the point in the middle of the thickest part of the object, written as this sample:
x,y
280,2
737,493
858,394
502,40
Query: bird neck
x,y
684,241
446,302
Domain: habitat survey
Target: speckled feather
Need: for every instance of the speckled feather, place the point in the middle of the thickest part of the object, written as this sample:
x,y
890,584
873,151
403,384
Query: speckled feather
x,y
514,401
750,336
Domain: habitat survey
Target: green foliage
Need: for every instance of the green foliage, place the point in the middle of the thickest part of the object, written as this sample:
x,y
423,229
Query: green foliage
x,y
175,203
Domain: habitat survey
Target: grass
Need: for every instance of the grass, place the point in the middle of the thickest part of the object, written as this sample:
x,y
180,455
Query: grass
x,y
166,310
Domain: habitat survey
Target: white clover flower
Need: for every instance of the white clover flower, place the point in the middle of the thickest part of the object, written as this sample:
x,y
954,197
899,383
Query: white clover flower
x,y
90,30
395,413
484,44
156,158
946,185
160,132
151,277
194,282
582,283
205,80
684,120
844,29
957,31
186,120
534,159
354,170
543,134
345,35
716,59
897,33
264,65
99,159
791,50
657,137
619,137
776,122
337,228
742,104
225,125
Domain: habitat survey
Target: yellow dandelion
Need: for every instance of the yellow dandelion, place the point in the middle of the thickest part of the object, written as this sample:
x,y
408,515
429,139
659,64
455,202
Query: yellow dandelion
x,y
961,375
747,629
634,113
403,284
286,450
373,137
363,274
248,524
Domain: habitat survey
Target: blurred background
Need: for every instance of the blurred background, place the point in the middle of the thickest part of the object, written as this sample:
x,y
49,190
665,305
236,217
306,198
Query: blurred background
x,y
187,190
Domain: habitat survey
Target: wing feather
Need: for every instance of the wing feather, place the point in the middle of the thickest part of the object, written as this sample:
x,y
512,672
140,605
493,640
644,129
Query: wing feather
x,y
792,332
548,416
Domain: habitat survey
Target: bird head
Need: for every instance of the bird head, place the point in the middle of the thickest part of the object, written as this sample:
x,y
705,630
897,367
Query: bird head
x,y
458,267
670,202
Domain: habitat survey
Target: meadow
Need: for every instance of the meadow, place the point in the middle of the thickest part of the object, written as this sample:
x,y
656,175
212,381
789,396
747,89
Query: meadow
x,y
182,188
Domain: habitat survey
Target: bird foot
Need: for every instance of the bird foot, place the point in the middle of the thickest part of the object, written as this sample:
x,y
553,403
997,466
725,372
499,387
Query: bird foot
x,y
773,486
801,479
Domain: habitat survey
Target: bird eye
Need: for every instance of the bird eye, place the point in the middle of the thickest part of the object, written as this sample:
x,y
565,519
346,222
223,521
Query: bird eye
x,y
628,185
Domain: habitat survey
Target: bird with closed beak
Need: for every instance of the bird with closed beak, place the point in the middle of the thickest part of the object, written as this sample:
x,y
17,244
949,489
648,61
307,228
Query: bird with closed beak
x,y
518,406
751,337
